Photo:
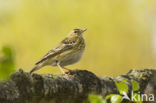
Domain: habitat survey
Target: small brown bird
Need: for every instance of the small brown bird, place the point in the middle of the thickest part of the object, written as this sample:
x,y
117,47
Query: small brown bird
x,y
69,51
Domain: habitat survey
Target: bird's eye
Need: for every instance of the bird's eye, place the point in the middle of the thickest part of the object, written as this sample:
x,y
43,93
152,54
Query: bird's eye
x,y
75,31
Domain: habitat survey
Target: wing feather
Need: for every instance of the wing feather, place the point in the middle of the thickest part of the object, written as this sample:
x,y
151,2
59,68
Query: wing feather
x,y
63,46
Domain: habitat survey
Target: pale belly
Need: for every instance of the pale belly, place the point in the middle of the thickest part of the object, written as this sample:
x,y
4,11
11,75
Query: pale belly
x,y
68,58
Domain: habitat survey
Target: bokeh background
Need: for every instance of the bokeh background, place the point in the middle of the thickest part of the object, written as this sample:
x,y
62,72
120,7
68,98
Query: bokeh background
x,y
121,33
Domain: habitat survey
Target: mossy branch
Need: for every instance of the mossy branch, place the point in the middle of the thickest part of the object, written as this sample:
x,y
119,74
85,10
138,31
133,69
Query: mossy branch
x,y
73,87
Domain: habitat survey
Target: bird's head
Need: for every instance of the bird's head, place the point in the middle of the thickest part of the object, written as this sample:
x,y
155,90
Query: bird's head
x,y
77,32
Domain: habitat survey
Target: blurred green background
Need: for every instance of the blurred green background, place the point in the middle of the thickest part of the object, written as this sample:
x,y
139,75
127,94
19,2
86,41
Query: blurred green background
x,y
121,33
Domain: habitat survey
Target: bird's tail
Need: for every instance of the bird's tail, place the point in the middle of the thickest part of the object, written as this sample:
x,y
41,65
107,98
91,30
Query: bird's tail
x,y
35,68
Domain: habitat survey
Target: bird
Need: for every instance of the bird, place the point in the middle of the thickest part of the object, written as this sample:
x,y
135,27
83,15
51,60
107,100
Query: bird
x,y
69,51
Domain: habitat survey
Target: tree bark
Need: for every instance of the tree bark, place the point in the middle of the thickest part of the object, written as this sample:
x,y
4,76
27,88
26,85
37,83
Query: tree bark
x,y
73,87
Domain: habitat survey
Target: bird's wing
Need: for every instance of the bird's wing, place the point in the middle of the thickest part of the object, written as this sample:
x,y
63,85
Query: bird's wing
x,y
63,46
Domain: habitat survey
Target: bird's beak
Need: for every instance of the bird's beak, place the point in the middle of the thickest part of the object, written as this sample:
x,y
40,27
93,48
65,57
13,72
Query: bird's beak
x,y
83,30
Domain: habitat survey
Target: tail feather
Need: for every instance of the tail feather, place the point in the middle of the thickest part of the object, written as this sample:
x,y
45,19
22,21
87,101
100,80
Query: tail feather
x,y
35,68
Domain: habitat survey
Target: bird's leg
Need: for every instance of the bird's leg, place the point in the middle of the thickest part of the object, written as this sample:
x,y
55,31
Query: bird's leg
x,y
59,66
66,68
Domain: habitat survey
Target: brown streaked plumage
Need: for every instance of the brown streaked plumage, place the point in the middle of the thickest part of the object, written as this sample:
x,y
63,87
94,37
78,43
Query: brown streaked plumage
x,y
69,51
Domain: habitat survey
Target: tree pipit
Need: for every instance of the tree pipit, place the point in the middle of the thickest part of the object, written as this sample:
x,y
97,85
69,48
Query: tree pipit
x,y
68,51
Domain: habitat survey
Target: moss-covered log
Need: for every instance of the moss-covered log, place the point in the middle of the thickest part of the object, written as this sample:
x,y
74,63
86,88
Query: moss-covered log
x,y
73,87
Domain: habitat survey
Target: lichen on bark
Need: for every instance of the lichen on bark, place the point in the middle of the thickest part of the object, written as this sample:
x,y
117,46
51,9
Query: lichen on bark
x,y
73,87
